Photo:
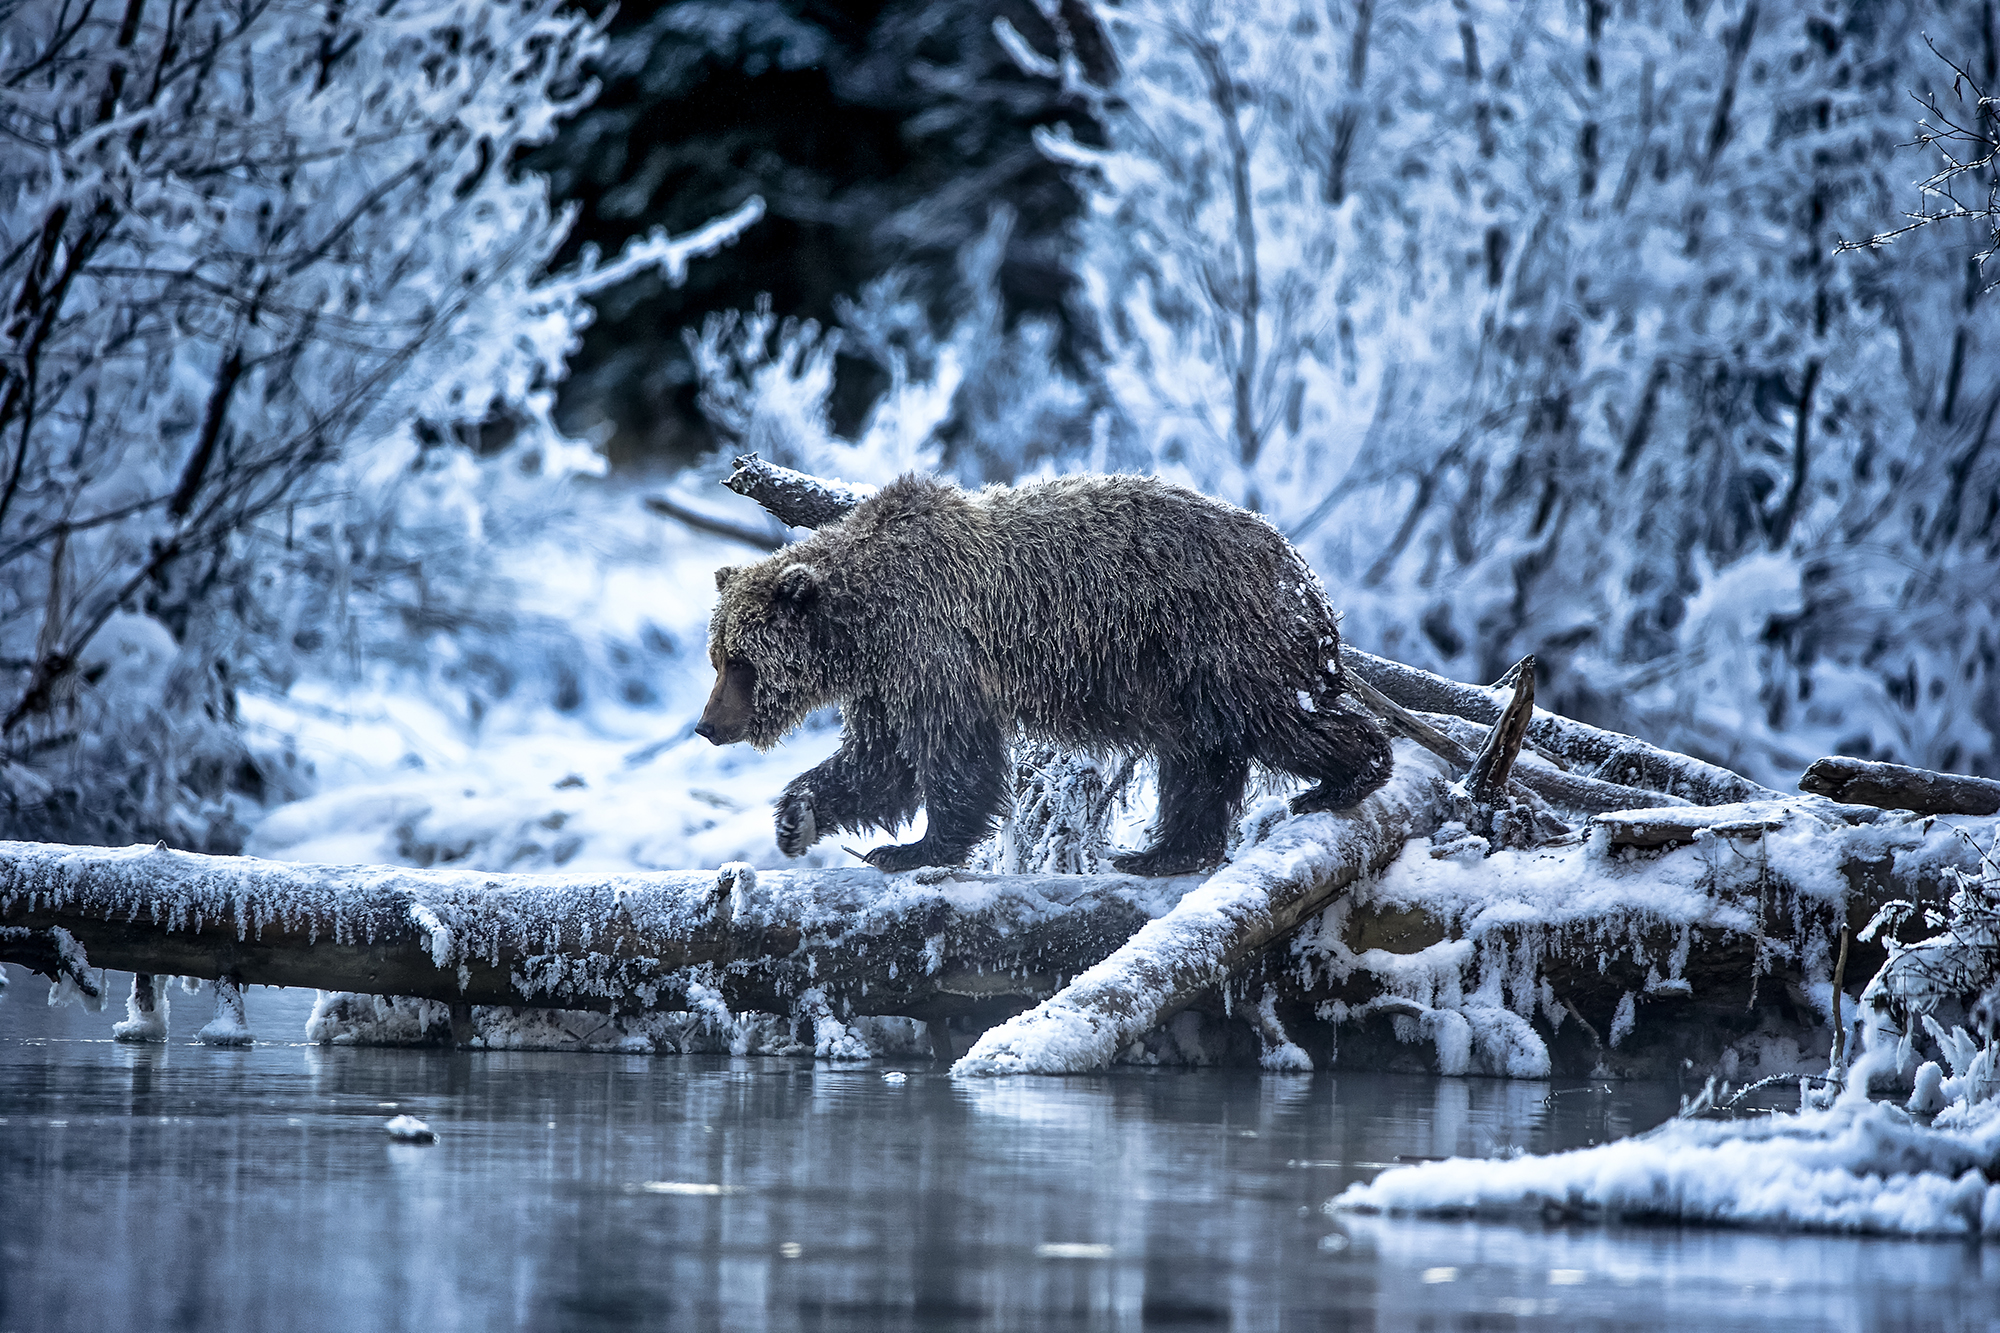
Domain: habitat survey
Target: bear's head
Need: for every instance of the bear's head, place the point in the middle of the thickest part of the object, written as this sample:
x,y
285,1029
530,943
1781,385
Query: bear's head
x,y
768,641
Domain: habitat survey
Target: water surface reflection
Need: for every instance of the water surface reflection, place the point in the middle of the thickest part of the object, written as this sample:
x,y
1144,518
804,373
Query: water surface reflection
x,y
185,1187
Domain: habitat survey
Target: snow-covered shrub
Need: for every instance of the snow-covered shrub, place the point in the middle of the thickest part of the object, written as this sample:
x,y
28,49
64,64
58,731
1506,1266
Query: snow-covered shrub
x,y
274,292
1526,323
982,399
1955,972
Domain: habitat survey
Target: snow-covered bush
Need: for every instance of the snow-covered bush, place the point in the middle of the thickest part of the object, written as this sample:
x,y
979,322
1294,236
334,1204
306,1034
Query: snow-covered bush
x,y
277,331
1956,973
1526,322
981,399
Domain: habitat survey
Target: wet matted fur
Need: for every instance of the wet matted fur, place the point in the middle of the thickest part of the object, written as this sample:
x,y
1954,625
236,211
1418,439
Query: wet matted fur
x,y
1115,613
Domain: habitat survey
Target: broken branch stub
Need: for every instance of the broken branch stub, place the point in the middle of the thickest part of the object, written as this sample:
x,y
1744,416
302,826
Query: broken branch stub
x,y
794,498
1895,787
1487,781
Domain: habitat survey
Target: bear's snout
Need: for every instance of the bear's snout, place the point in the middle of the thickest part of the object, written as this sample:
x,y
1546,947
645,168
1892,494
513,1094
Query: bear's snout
x,y
726,719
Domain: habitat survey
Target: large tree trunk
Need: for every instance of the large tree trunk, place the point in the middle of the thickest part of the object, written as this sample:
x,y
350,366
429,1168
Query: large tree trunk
x,y
931,944
935,944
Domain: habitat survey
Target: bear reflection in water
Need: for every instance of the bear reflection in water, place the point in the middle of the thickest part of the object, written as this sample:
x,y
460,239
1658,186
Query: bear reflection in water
x,y
1109,613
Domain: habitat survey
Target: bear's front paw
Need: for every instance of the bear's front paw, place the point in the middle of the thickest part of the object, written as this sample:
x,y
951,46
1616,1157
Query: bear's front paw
x,y
798,828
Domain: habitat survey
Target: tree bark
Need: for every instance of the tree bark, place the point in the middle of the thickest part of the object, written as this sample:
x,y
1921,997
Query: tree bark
x,y
1892,786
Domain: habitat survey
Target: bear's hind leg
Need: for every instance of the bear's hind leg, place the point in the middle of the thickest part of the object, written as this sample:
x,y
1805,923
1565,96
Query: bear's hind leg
x,y
964,791
1345,750
1199,797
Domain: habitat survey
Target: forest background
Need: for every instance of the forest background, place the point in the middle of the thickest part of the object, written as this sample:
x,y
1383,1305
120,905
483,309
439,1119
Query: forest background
x,y
327,426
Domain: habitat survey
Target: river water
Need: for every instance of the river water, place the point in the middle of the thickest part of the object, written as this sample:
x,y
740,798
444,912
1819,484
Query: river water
x,y
177,1186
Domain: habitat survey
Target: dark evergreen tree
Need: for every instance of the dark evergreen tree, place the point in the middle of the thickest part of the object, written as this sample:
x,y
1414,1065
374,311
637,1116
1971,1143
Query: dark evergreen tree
x,y
880,133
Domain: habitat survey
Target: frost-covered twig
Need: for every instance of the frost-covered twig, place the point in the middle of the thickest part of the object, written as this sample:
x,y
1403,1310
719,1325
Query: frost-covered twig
x,y
668,507
1969,148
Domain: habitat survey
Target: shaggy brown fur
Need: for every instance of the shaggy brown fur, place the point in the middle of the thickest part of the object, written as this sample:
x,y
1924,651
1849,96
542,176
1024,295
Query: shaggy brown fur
x,y
1111,613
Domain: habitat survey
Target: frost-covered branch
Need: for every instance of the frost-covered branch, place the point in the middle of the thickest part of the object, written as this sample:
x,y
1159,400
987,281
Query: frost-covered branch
x,y
1609,755
1968,139
794,498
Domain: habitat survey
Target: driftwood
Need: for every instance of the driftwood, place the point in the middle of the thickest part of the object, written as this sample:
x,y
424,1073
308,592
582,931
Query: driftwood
x,y
1538,773
1892,786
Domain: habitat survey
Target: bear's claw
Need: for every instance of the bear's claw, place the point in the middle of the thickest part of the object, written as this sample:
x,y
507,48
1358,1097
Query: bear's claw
x,y
798,827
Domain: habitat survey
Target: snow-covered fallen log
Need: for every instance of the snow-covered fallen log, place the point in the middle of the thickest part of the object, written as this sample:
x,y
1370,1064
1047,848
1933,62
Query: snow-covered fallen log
x,y
1590,752
1896,787
1241,910
929,945
1843,1163
1594,956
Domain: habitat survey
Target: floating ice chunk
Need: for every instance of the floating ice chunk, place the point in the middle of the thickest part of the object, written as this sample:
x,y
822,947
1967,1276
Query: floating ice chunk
x,y
895,1078
409,1129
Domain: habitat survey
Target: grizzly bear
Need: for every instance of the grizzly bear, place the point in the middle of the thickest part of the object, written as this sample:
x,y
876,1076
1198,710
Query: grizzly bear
x,y
1108,613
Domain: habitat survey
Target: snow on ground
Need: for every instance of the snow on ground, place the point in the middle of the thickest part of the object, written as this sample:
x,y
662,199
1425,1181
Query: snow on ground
x,y
408,769
1858,1166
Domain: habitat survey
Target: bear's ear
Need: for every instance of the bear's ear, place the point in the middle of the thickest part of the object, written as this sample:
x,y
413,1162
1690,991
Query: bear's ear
x,y
798,586
723,575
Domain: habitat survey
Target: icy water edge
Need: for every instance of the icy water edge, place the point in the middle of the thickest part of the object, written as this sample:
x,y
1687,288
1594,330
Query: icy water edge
x,y
183,1187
